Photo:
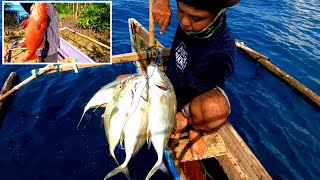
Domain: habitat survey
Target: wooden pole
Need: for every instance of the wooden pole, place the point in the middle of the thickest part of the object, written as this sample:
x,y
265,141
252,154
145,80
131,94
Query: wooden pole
x,y
32,77
127,57
68,67
120,58
264,61
7,85
97,42
151,25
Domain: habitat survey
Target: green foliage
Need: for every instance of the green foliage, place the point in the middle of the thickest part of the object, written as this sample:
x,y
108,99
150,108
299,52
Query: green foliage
x,y
96,16
63,16
12,17
64,9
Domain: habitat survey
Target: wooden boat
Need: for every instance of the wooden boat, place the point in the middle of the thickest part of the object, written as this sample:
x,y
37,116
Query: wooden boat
x,y
71,54
225,145
67,52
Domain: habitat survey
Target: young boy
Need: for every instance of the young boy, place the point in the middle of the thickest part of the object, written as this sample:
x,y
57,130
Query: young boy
x,y
202,57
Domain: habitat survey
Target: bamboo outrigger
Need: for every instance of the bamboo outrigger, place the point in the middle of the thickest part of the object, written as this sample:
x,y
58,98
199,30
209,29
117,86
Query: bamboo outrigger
x,y
235,157
7,86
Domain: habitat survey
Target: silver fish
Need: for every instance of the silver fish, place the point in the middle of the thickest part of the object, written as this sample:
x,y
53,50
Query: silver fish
x,y
161,112
135,128
103,96
116,114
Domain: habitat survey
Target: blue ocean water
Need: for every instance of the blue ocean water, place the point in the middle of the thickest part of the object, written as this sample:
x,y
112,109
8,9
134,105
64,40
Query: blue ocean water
x,y
39,138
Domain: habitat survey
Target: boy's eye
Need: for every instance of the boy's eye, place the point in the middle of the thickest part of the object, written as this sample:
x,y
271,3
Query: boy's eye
x,y
195,18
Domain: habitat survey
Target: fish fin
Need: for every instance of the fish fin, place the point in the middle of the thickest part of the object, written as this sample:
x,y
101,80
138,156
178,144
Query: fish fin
x,y
164,169
38,26
149,138
100,105
114,157
24,45
144,96
149,142
84,112
102,122
32,57
107,113
121,141
118,169
96,108
41,43
153,170
31,8
25,23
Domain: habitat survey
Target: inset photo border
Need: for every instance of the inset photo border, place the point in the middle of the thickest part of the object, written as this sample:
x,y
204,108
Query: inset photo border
x,y
35,32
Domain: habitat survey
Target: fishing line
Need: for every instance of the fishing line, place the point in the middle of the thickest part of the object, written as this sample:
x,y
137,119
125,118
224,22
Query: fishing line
x,y
147,83
137,104
157,61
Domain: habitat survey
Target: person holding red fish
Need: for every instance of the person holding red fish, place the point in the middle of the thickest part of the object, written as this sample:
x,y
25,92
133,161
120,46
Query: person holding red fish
x,y
42,32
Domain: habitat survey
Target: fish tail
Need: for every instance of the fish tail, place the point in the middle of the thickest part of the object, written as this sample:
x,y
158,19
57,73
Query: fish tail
x,y
81,118
154,169
114,157
149,138
164,169
125,171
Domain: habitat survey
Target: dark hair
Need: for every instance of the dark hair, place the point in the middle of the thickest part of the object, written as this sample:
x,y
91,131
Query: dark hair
x,y
210,5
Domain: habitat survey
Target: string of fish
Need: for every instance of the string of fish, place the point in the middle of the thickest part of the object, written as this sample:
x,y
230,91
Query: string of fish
x,y
157,62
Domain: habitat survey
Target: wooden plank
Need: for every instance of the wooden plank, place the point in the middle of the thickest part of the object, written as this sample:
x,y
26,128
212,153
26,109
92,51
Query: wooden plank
x,y
216,147
231,167
242,154
134,56
68,67
93,40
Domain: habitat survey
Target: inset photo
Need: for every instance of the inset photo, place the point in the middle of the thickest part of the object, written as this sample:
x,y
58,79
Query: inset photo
x,y
56,32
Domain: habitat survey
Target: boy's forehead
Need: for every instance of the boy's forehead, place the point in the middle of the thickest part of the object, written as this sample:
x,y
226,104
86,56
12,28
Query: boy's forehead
x,y
193,11
210,5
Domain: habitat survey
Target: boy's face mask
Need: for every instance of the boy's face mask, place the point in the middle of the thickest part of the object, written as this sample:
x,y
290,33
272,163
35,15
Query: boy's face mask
x,y
209,30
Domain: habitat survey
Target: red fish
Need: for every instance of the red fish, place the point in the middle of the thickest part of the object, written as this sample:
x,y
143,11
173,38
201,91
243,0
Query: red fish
x,y
35,27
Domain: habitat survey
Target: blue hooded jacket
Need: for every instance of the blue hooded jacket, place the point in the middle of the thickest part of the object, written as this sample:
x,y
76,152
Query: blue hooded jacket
x,y
198,65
